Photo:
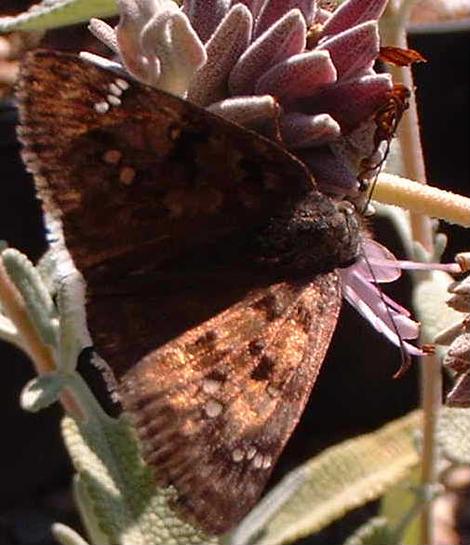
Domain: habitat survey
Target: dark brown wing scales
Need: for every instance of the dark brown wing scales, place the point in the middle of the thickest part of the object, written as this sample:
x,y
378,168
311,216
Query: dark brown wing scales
x,y
172,175
215,407
213,347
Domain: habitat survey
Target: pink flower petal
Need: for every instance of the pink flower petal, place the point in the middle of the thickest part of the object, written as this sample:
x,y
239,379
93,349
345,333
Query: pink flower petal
x,y
378,324
381,326
223,50
298,76
322,15
282,40
354,50
352,13
104,33
375,252
273,10
304,131
371,296
205,15
247,111
349,102
253,5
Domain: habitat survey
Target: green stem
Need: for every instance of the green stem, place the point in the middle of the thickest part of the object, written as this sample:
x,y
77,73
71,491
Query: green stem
x,y
41,355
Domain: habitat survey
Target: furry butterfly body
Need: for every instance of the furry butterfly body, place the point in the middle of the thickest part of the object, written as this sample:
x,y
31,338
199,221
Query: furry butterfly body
x,y
209,257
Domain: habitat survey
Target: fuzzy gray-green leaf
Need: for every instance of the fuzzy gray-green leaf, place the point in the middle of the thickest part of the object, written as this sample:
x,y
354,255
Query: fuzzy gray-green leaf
x,y
374,532
66,536
41,392
57,13
129,508
454,434
40,306
341,478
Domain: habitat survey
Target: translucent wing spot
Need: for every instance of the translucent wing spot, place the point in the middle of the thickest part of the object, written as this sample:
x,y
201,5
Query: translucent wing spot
x,y
174,132
126,175
112,156
267,462
272,391
122,84
258,461
262,462
114,100
115,90
101,107
213,408
238,455
250,453
210,386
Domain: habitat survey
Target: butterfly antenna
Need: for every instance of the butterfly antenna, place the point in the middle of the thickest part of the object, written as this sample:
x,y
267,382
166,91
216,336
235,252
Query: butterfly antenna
x,y
374,183
405,357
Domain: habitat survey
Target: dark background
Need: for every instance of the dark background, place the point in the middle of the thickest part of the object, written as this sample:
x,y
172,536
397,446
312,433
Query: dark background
x,y
355,392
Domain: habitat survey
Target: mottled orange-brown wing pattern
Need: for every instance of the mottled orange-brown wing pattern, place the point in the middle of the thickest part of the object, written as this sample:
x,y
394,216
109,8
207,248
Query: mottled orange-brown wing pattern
x,y
215,406
213,351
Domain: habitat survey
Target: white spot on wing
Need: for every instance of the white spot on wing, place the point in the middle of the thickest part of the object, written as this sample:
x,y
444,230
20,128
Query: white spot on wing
x,y
250,453
238,455
258,461
211,386
115,90
112,156
101,107
122,84
113,100
213,408
267,462
127,175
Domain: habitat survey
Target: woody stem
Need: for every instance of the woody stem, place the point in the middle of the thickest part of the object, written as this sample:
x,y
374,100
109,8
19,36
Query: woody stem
x,y
412,153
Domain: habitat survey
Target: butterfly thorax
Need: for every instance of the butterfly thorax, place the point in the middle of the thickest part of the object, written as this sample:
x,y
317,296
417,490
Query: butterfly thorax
x,y
315,235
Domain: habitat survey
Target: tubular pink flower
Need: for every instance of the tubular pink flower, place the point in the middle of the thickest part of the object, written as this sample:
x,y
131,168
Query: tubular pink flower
x,y
360,289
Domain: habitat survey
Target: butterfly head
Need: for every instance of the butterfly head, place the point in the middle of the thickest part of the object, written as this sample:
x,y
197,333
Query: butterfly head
x,y
316,235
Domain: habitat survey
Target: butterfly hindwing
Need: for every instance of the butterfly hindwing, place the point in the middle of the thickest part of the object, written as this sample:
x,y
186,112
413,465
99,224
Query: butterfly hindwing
x,y
215,406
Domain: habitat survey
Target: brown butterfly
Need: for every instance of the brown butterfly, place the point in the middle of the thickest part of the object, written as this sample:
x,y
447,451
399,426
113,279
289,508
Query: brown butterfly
x,y
209,257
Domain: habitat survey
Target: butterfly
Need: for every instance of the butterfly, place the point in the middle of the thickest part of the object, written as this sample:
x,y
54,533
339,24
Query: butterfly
x,y
209,257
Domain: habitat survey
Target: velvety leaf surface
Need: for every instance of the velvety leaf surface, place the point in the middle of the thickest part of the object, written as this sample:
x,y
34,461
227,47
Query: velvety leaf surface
x,y
119,487
374,532
454,433
57,13
341,478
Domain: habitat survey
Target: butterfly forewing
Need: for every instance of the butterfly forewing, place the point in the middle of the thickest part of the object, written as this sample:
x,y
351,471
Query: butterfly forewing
x,y
170,174
213,357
